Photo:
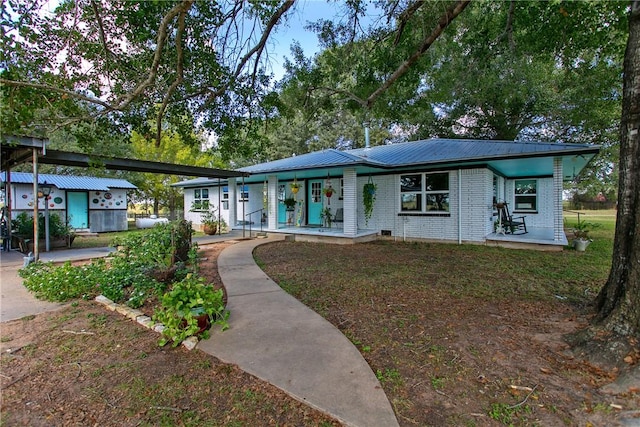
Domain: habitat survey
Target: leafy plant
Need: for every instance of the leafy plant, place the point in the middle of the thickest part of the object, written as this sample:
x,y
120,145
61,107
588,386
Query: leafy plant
x,y
183,303
369,198
290,203
23,225
62,283
582,229
326,216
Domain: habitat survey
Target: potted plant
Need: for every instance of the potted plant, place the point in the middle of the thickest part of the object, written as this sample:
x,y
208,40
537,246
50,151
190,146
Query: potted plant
x,y
326,216
290,203
581,234
210,220
60,233
295,187
369,198
328,192
189,309
290,206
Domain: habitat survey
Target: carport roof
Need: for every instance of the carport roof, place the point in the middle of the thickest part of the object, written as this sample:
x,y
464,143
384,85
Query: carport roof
x,y
66,182
17,150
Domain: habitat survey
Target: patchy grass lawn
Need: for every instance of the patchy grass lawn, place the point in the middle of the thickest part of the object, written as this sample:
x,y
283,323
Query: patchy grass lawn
x,y
461,335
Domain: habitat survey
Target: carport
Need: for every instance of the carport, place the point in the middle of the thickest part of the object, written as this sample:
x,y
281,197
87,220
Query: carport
x,y
17,150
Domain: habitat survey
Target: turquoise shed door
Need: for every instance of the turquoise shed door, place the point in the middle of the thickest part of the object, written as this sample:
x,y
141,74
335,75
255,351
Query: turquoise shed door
x,y
314,204
78,209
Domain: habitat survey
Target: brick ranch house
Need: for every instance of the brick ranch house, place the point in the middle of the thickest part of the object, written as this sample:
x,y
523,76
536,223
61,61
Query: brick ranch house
x,y
437,190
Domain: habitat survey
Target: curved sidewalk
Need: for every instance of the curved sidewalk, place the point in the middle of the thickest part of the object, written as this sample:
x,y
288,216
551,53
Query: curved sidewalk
x,y
278,339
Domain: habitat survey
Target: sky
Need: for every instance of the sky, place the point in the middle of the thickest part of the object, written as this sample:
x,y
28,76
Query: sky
x,y
293,30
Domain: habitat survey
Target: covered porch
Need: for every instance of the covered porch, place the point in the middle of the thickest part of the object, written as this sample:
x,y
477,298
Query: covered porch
x,y
536,238
335,235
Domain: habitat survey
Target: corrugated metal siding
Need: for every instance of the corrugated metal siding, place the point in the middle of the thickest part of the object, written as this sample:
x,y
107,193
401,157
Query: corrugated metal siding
x,y
66,182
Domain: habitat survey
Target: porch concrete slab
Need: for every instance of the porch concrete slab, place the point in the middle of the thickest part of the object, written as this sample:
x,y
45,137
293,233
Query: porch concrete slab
x,y
278,339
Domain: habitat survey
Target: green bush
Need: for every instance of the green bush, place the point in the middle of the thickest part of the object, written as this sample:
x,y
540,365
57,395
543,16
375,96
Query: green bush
x,y
62,283
125,278
23,225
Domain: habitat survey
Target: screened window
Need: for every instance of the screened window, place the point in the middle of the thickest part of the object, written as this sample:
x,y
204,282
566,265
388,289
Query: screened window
x,y
201,199
424,192
526,195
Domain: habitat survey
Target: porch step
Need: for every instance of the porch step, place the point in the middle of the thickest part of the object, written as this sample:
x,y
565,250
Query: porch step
x,y
86,234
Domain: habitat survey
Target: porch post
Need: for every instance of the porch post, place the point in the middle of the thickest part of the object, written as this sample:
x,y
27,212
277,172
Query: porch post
x,y
558,225
272,211
233,203
350,202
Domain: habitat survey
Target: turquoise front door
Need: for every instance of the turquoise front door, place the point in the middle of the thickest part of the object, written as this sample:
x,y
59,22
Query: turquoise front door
x,y
78,209
314,204
282,209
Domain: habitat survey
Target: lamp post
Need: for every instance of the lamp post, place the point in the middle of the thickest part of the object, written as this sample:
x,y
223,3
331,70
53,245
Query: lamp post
x,y
45,190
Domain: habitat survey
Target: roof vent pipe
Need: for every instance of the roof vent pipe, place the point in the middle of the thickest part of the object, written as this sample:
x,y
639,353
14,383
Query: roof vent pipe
x,y
366,135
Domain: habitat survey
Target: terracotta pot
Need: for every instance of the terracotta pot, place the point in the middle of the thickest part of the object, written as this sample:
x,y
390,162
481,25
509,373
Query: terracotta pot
x,y
210,229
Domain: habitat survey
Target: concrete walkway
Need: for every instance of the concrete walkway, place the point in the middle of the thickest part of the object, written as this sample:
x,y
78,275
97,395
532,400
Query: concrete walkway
x,y
278,339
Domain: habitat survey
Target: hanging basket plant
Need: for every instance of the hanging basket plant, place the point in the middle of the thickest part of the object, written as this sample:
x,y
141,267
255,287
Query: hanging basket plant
x,y
294,186
328,192
369,198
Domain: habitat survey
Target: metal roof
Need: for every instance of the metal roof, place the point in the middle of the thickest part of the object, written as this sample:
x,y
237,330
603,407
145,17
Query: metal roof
x,y
17,150
509,158
462,150
66,182
317,159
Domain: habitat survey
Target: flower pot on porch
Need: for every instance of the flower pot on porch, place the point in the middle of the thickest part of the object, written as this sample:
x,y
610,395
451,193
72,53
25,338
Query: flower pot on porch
x,y
210,229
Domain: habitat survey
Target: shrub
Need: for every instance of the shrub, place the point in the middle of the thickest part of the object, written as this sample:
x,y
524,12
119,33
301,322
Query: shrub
x,y
62,283
23,225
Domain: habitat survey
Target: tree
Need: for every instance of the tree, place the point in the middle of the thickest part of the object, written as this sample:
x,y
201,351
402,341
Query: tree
x,y
172,150
618,303
129,59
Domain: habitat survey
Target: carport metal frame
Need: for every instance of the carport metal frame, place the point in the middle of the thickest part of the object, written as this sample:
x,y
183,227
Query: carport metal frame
x,y
17,150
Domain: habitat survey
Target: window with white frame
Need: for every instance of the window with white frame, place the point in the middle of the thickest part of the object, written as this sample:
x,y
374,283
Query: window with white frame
x,y
424,193
526,195
225,199
201,199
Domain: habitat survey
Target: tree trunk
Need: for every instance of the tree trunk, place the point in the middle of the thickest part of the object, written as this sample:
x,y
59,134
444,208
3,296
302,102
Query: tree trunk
x,y
618,303
156,206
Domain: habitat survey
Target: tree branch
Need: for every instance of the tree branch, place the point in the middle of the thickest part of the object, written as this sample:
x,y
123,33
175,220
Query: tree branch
x,y
445,20
66,92
263,40
161,39
179,73
404,18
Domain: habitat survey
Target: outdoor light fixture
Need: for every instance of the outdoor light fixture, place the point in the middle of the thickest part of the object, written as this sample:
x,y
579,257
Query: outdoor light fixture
x,y
44,189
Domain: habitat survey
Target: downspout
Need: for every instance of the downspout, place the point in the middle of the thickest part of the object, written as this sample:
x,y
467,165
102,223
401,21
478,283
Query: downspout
x,y
459,206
